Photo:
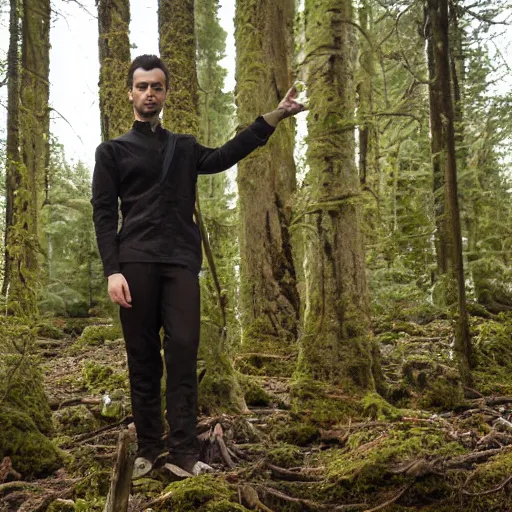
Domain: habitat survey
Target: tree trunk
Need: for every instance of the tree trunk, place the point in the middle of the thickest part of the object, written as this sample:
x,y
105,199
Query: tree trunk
x,y
12,146
219,389
436,144
28,176
178,51
266,179
336,345
114,52
438,14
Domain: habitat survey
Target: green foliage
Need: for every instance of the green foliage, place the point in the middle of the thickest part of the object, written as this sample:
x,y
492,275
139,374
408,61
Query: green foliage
x,y
72,277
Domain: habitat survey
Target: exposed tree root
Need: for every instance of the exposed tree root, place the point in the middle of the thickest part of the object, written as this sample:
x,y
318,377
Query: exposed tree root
x,y
395,498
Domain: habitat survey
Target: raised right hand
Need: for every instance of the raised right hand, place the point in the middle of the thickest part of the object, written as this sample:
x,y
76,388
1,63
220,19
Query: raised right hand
x,y
119,291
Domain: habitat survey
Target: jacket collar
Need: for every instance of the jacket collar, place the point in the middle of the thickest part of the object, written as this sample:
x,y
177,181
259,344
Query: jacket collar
x,y
145,127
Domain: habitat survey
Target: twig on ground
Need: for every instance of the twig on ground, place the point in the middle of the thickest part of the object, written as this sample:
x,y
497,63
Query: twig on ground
x,y
293,476
489,491
395,498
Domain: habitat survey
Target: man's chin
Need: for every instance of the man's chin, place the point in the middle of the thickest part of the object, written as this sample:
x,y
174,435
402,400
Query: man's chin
x,y
148,113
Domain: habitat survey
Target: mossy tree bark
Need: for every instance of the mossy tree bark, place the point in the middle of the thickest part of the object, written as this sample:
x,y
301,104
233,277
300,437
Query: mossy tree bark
x,y
266,179
12,144
437,12
27,175
219,389
178,51
114,53
335,345
436,145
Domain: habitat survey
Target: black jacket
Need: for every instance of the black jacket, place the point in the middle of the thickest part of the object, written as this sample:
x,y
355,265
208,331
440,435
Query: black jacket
x,y
157,217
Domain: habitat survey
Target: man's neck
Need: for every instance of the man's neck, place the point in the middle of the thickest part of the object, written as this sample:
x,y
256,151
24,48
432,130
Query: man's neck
x,y
153,121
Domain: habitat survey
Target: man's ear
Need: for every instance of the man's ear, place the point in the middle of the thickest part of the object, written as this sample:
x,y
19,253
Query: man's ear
x,y
130,96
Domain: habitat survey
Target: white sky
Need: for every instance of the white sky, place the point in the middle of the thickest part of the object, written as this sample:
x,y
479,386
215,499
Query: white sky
x,y
74,68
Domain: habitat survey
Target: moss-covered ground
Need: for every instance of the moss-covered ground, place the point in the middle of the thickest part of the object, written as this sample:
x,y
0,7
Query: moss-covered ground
x,y
428,444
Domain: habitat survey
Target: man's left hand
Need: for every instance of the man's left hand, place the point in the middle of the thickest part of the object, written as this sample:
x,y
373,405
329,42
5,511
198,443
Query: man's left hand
x,y
289,106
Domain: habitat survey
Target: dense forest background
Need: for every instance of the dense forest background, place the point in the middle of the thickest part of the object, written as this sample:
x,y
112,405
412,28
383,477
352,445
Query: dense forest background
x,y
357,277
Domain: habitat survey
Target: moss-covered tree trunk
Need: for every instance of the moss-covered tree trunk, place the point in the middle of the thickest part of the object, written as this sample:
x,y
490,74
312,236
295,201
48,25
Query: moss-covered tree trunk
x,y
13,139
114,53
176,22
27,175
335,345
438,15
436,144
266,179
178,51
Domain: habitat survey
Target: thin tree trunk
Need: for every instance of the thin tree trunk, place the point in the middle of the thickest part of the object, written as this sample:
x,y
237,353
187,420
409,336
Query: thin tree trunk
x,y
438,13
12,146
114,53
436,144
266,180
28,177
335,345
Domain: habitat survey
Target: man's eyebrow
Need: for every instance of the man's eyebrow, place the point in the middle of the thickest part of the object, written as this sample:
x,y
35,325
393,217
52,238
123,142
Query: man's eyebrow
x,y
146,83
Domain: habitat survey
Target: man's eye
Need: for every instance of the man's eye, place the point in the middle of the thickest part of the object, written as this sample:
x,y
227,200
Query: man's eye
x,y
158,89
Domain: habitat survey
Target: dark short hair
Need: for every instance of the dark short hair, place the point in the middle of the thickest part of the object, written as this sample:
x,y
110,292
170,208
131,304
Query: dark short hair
x,y
147,62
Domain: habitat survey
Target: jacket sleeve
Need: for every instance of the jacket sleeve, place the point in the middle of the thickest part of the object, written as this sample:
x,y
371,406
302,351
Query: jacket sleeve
x,y
105,189
212,160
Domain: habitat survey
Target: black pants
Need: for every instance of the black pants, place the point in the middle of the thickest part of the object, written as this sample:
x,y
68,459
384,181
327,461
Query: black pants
x,y
168,296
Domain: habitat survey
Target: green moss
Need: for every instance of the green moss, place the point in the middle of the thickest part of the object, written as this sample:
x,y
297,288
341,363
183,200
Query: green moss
x,y
20,377
285,455
377,408
48,330
225,506
147,486
74,420
99,377
319,403
443,395
270,365
254,394
61,505
31,452
97,334
200,494
299,434
365,467
488,476
493,355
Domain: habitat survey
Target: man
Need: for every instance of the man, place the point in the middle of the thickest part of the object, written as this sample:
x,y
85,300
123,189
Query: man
x,y
152,264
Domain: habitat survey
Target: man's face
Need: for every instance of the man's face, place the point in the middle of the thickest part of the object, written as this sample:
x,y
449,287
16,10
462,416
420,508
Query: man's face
x,y
148,93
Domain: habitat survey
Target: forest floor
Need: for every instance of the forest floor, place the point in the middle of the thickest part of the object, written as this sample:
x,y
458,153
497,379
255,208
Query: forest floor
x,y
433,446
